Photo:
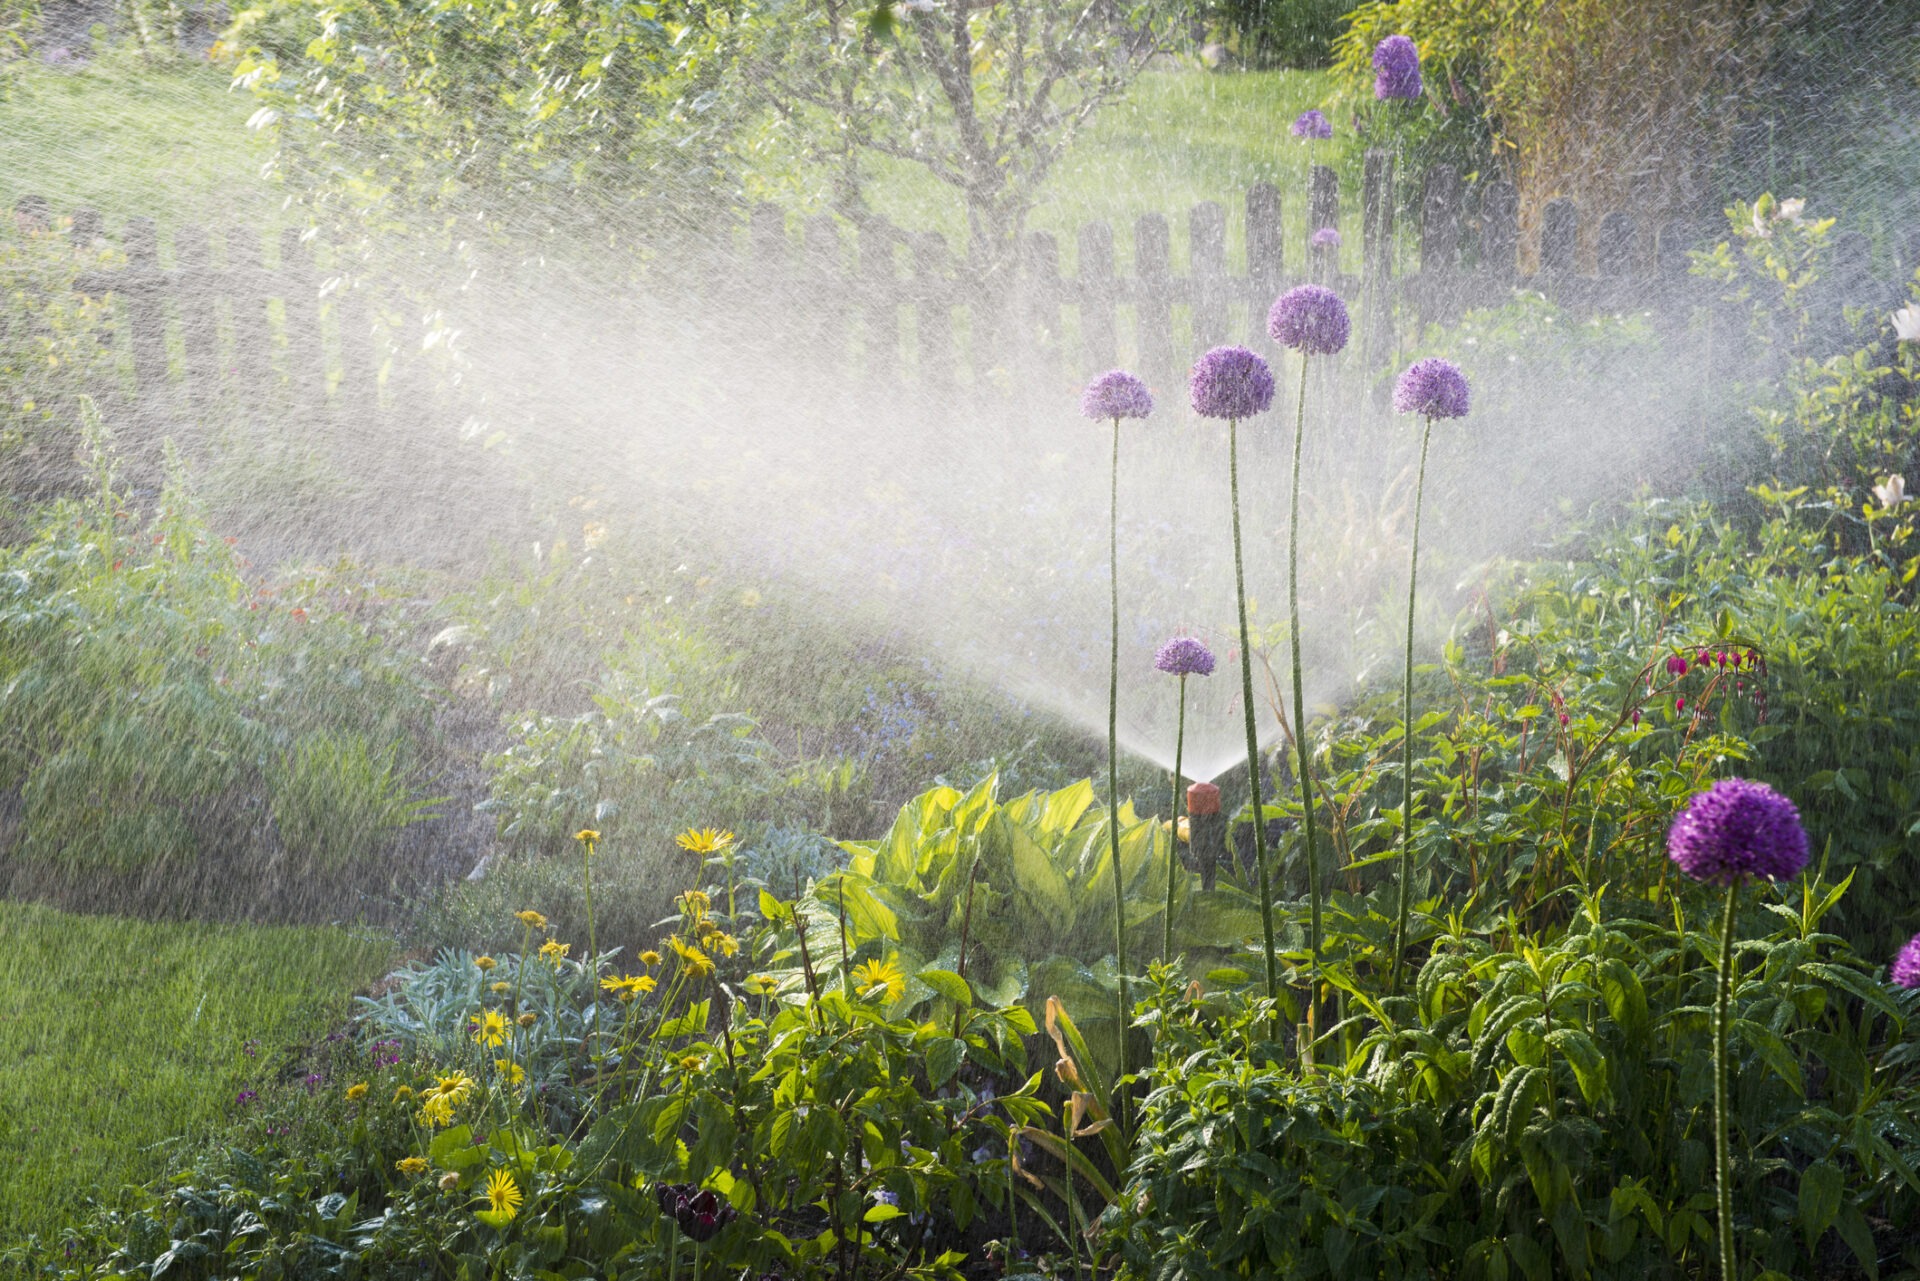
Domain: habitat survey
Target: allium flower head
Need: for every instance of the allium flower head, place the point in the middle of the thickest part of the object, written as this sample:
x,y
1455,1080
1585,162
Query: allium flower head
x,y
1230,382
1184,656
1433,387
1311,124
1325,238
1906,966
1396,68
1311,319
1737,829
1116,394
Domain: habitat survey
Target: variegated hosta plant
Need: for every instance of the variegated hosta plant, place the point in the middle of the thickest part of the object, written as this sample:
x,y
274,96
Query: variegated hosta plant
x,y
1037,920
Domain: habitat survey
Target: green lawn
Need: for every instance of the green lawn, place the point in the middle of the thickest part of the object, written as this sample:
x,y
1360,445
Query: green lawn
x,y
169,142
118,1036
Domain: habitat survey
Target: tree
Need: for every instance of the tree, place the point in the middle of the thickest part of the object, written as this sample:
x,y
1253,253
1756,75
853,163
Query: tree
x,y
985,95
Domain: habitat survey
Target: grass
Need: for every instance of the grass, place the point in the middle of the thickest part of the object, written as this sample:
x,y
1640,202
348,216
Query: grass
x,y
124,1037
168,141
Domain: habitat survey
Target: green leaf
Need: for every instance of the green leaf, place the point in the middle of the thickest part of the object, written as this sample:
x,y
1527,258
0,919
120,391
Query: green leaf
x,y
944,1055
448,1142
1859,1237
949,985
1821,1185
882,1212
691,1023
1773,1051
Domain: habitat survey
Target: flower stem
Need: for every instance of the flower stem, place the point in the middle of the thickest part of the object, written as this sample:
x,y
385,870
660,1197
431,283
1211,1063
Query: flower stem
x,y
1299,698
1406,727
1253,740
593,951
1173,833
1722,1158
1113,786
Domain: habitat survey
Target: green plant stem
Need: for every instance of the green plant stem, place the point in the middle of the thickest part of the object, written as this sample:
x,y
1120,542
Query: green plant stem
x,y
593,950
1173,833
1113,785
1299,698
673,1250
1406,726
1253,738
1722,1156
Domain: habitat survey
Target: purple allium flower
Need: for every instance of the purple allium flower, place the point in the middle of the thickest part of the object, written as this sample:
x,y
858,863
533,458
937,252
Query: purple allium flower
x,y
1433,387
1906,966
1677,665
1325,238
1311,124
1184,656
1396,68
1311,319
1737,829
1116,394
1230,382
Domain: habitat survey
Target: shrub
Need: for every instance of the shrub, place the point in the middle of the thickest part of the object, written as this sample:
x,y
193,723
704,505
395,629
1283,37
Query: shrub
x,y
1539,1107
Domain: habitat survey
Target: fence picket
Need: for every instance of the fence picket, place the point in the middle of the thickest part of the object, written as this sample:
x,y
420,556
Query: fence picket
x,y
1153,298
1207,272
1098,334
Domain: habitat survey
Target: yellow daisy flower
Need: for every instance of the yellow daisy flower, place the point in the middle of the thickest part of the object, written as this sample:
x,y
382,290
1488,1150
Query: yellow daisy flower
x,y
624,986
404,1092
704,929
436,1110
453,1085
704,840
411,1165
887,974
586,835
503,1194
485,963
512,1071
694,903
649,957
725,944
531,919
528,1019
489,1028
357,1091
501,989
554,950
760,984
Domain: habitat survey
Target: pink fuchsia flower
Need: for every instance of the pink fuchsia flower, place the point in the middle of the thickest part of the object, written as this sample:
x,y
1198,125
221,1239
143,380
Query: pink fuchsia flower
x,y
1906,966
1738,829
1311,319
1433,387
1311,124
1396,68
1676,666
1116,394
1230,382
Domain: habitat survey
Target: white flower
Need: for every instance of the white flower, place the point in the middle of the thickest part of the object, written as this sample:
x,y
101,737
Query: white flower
x,y
1906,323
1792,209
1892,493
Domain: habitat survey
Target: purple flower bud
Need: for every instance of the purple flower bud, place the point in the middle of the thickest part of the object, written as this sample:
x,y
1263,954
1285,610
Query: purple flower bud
x,y
1906,966
1116,394
1396,68
1636,716
1736,829
1325,238
1311,124
1230,382
1184,656
1433,387
1311,319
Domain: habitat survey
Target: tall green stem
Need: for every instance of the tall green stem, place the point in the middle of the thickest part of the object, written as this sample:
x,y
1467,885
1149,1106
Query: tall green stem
x,y
1722,1158
1406,725
1299,698
1173,834
1253,739
1113,783
593,950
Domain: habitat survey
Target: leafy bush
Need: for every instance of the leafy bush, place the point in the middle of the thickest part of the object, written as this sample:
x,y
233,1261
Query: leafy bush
x,y
158,706
1283,33
1540,1107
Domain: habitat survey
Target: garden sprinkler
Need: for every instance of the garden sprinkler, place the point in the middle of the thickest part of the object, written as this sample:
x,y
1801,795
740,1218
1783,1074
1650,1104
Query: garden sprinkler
x,y
1206,831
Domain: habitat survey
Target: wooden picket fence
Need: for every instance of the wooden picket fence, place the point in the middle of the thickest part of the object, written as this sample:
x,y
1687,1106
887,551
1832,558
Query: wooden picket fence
x,y
880,305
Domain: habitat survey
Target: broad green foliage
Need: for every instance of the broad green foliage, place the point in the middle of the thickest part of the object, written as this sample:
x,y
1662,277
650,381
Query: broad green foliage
x,y
1541,1109
1028,884
148,689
